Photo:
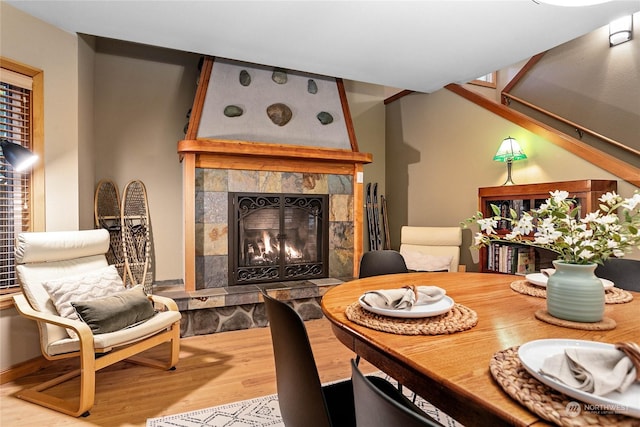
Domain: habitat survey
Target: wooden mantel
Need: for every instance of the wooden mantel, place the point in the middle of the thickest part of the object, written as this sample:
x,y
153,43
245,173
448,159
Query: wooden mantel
x,y
214,153
244,155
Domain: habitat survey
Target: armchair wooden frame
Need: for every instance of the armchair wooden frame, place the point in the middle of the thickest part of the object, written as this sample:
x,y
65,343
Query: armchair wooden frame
x,y
94,351
89,362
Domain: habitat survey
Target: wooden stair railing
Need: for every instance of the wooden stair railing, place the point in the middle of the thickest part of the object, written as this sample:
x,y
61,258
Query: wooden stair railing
x,y
507,97
611,164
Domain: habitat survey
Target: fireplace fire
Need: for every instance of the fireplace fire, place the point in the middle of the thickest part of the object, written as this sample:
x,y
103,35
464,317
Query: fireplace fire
x,y
277,237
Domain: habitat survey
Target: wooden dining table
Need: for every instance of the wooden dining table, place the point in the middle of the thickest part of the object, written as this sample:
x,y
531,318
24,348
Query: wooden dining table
x,y
452,370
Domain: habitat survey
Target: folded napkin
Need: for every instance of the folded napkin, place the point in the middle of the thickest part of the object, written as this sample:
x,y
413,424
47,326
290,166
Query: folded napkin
x,y
547,271
403,298
596,371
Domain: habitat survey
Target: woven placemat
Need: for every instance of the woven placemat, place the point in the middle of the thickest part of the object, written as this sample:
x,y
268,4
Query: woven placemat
x,y
605,324
459,318
611,296
547,403
617,296
526,288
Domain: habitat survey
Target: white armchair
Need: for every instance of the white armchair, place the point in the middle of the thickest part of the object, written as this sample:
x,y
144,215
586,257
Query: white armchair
x,y
431,248
74,263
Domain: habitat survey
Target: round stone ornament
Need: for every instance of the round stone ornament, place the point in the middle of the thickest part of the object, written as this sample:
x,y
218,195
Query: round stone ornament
x,y
325,118
279,113
233,111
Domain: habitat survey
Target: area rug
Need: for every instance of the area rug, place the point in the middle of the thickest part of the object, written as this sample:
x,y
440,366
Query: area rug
x,y
264,411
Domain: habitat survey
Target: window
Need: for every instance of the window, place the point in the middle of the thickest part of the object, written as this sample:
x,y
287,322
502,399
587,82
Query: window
x,y
488,80
20,110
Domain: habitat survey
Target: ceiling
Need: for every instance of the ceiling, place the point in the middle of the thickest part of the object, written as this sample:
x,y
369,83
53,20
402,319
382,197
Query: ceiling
x,y
415,45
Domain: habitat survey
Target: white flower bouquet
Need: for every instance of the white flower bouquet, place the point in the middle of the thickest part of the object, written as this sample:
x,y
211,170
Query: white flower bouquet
x,y
557,226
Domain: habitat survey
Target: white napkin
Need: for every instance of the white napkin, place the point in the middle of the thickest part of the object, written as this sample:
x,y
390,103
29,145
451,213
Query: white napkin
x,y
596,371
547,271
403,298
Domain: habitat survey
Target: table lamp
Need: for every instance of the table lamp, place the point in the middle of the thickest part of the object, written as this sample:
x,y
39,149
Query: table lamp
x,y
509,151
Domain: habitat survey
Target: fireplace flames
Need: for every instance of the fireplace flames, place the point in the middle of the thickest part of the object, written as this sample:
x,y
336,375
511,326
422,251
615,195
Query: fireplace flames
x,y
266,251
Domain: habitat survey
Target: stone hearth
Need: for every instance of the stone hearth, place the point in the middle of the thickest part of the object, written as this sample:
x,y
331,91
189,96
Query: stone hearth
x,y
232,308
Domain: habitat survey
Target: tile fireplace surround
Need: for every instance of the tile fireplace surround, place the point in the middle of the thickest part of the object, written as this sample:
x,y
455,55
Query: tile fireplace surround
x,y
215,306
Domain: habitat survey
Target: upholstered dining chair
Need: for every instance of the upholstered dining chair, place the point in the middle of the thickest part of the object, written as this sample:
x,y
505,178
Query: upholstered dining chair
x,y
84,311
303,400
376,263
431,248
624,273
376,407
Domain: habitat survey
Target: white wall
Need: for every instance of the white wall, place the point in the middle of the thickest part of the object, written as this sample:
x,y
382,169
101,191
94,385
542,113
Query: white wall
x,y
142,96
367,112
30,41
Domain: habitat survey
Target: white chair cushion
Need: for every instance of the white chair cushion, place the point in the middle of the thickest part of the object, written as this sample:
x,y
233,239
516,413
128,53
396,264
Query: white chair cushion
x,y
431,236
419,261
106,342
434,241
60,245
31,277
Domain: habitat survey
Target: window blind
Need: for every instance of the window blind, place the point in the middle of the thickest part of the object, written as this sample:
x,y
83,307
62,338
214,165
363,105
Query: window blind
x,y
15,187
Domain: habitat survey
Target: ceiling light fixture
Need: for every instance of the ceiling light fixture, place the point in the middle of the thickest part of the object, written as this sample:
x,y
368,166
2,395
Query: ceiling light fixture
x,y
620,30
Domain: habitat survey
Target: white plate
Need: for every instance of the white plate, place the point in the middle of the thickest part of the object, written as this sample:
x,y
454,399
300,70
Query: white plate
x,y
540,279
423,310
533,354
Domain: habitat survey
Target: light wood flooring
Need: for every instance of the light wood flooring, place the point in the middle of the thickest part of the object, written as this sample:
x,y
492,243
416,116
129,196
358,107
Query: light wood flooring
x,y
213,370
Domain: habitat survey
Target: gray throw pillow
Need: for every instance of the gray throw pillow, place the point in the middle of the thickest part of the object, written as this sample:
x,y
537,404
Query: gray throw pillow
x,y
115,312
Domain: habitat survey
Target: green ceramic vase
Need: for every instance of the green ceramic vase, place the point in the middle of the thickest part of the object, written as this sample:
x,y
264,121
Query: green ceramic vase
x,y
575,293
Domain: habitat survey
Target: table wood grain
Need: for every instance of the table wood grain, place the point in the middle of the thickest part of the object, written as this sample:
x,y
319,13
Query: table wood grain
x,y
452,371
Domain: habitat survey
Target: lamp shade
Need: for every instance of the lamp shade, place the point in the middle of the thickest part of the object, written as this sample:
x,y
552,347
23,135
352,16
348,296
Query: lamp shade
x,y
18,156
509,151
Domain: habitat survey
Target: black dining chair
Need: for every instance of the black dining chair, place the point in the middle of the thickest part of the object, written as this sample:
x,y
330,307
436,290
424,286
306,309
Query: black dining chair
x,y
376,407
303,400
624,273
376,263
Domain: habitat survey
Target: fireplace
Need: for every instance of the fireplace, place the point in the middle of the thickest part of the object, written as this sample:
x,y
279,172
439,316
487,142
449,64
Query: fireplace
x,y
277,237
313,153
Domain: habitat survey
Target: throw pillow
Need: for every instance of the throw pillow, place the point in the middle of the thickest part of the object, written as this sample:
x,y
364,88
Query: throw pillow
x,y
81,287
424,262
115,312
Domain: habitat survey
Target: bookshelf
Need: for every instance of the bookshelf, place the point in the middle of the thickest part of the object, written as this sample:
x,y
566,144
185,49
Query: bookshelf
x,y
513,258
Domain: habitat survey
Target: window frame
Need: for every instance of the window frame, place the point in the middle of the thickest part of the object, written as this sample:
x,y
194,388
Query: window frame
x,y
37,201
488,80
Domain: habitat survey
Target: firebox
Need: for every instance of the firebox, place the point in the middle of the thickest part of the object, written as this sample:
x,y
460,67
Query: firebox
x,y
277,237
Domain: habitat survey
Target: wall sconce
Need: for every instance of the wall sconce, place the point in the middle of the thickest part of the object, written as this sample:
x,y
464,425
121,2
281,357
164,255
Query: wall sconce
x,y
18,156
509,151
620,30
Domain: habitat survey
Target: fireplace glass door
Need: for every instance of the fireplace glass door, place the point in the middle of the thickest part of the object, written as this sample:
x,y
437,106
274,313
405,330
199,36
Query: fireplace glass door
x,y
277,237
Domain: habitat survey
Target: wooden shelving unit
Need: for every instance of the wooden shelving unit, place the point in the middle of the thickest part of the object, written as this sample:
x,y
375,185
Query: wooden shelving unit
x,y
523,198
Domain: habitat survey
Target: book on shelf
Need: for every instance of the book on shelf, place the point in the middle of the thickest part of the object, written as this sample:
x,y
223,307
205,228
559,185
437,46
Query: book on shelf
x,y
511,259
526,261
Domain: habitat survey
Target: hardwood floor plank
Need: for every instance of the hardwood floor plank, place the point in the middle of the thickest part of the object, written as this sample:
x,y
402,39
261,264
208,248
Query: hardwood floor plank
x,y
213,370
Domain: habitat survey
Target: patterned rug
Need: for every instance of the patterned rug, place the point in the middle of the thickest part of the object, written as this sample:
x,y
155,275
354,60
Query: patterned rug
x,y
264,411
